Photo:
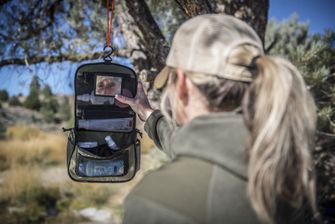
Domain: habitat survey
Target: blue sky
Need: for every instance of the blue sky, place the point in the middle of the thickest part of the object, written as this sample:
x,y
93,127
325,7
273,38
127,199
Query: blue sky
x,y
15,79
319,13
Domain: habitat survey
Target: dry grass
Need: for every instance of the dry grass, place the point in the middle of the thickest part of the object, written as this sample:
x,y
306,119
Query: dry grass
x,y
89,194
24,132
29,146
146,143
20,184
34,177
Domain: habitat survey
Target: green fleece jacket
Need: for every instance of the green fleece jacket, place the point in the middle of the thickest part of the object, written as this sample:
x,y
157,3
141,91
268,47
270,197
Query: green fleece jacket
x,y
206,180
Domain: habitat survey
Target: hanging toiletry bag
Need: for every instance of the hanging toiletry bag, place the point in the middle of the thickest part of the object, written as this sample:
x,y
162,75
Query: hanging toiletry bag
x,y
103,145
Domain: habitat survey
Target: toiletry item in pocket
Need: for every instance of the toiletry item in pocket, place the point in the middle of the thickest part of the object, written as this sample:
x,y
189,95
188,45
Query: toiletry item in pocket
x,y
127,93
111,143
87,145
100,168
116,124
96,100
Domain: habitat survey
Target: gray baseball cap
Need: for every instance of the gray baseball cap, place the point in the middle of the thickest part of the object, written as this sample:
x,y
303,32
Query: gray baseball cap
x,y
203,45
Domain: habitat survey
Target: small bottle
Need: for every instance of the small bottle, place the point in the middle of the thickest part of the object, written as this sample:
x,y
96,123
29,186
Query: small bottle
x,y
111,143
97,100
82,169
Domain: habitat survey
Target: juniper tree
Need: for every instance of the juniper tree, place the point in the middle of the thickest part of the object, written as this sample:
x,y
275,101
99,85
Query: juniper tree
x,y
46,91
4,95
49,105
14,101
3,130
314,55
32,101
65,109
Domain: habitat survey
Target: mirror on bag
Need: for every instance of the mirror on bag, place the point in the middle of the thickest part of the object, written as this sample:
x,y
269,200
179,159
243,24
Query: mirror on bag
x,y
104,146
107,85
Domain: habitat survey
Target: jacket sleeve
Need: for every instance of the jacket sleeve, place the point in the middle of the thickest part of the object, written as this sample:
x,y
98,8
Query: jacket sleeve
x,y
160,132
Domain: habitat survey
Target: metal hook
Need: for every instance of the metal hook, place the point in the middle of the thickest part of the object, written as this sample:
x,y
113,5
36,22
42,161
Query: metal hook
x,y
108,51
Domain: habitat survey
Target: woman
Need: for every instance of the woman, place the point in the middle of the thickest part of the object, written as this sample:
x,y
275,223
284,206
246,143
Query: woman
x,y
230,165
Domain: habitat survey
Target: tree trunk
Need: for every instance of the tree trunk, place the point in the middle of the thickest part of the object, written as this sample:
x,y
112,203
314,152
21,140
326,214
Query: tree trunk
x,y
155,47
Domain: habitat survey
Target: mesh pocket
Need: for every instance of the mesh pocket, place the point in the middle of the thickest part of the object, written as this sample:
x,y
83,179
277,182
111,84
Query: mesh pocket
x,y
90,167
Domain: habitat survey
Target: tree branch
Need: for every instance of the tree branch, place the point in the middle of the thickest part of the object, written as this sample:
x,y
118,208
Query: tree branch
x,y
34,59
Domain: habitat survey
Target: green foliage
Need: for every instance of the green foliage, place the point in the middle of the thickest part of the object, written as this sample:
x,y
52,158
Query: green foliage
x,y
51,27
32,101
35,84
314,56
49,109
3,130
65,110
14,101
49,105
4,95
46,91
40,202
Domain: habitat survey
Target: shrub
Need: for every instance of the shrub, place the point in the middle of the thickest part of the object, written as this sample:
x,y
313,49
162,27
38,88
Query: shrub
x,y
2,130
4,95
65,110
32,101
46,91
49,109
14,101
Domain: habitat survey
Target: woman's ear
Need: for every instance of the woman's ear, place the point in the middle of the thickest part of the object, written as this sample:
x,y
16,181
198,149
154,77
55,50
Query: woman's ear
x,y
181,86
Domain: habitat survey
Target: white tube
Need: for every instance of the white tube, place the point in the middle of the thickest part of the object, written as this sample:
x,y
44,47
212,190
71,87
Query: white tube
x,y
96,100
116,124
111,143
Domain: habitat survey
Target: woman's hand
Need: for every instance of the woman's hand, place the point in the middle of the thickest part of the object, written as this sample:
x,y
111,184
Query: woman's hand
x,y
140,104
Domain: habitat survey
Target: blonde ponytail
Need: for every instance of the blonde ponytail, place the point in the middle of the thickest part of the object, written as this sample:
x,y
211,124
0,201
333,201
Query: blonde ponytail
x,y
281,115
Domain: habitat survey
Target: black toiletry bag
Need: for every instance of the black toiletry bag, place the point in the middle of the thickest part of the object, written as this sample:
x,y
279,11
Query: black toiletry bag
x,y
103,145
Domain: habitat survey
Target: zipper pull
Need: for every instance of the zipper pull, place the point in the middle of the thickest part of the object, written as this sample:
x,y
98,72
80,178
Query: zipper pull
x,y
66,129
139,133
71,135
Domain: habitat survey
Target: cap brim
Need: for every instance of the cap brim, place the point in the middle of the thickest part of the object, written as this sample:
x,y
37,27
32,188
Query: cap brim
x,y
161,78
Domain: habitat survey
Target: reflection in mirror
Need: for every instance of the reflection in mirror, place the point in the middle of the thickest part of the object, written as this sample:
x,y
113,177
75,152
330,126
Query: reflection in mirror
x,y
108,85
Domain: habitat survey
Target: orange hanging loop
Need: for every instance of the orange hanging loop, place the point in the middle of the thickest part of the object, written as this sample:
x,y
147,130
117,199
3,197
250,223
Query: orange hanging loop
x,y
110,14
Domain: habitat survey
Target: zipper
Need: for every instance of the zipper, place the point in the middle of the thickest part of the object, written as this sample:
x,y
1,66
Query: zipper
x,y
139,133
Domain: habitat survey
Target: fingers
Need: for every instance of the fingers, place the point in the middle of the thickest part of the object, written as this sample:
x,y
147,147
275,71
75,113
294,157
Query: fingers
x,y
133,102
140,87
126,100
